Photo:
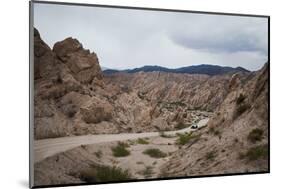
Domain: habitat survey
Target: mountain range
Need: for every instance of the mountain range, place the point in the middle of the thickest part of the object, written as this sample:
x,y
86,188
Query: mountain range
x,y
198,69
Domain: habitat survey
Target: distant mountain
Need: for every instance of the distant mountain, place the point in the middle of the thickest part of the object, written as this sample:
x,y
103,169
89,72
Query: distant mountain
x,y
198,69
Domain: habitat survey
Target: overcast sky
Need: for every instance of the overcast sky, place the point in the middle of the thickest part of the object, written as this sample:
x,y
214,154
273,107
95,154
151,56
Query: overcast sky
x,y
125,38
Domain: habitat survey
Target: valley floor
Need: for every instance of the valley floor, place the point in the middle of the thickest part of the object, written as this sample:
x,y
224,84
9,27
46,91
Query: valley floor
x,y
51,154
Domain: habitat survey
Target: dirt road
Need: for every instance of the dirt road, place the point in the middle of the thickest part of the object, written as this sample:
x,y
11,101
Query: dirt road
x,y
49,147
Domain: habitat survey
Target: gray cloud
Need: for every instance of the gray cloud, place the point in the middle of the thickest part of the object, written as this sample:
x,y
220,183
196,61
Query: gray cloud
x,y
133,38
224,33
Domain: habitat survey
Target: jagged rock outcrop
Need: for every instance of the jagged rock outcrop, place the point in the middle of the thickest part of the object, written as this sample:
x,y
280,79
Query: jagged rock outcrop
x,y
59,74
83,64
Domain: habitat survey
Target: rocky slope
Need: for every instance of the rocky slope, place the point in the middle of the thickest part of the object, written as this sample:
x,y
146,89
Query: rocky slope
x,y
236,139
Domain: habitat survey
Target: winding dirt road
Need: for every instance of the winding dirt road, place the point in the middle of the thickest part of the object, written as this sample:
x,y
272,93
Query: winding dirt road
x,y
49,147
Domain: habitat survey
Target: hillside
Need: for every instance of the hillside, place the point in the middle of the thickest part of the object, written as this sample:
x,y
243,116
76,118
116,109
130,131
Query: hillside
x,y
236,139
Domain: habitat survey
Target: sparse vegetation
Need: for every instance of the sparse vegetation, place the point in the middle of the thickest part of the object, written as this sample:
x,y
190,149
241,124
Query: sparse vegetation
x,y
104,174
120,150
255,135
255,153
142,141
154,153
185,138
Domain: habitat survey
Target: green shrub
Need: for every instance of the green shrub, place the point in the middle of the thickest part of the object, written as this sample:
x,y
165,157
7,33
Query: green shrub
x,y
255,135
185,138
142,141
120,150
257,152
155,153
104,174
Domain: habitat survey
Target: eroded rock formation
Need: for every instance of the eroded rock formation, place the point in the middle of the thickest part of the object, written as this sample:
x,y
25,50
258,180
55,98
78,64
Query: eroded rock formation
x,y
77,98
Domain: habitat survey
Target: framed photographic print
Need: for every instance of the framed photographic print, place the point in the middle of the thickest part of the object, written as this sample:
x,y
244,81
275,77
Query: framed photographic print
x,y
126,94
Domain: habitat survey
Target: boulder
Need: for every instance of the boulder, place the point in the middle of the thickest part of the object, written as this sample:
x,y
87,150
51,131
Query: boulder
x,y
83,65
63,48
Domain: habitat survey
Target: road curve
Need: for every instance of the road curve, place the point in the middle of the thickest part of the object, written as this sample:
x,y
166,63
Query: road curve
x,y
48,147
